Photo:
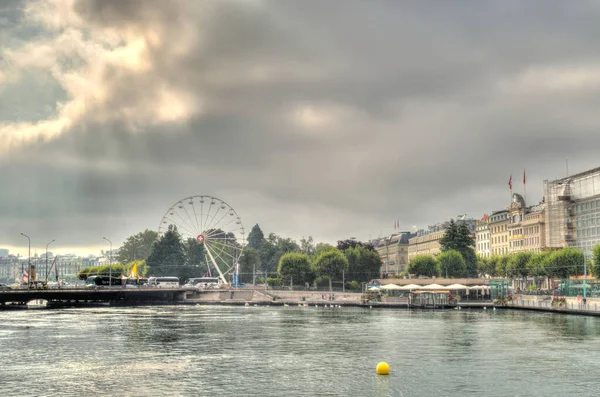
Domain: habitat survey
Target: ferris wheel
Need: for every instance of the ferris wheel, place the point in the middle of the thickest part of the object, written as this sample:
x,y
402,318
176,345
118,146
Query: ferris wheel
x,y
214,224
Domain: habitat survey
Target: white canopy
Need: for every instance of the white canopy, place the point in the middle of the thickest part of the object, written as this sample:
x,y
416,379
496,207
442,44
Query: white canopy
x,y
373,289
456,286
480,287
410,287
432,286
390,287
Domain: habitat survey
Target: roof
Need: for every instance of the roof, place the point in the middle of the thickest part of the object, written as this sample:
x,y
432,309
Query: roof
x,y
440,281
579,175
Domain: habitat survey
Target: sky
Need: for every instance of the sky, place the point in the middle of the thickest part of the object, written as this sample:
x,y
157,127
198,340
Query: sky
x,y
308,117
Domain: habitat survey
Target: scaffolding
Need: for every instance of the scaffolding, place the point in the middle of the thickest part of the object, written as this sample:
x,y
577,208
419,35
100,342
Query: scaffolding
x,y
559,222
573,211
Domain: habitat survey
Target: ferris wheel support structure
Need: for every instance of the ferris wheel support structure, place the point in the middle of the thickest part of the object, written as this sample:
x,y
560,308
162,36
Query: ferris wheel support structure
x,y
212,259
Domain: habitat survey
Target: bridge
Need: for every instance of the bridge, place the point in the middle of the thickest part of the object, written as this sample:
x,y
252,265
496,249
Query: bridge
x,y
116,295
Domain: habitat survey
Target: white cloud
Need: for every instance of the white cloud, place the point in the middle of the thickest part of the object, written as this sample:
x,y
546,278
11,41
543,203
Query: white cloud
x,y
90,63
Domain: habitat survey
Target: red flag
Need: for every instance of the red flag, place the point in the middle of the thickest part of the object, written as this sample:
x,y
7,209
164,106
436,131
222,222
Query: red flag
x,y
510,183
523,177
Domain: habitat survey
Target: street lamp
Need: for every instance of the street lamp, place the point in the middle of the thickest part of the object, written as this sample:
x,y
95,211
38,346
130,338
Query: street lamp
x,y
46,270
584,276
110,263
28,259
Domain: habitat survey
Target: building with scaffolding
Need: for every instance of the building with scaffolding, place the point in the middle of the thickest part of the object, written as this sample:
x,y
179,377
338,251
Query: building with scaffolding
x,y
573,211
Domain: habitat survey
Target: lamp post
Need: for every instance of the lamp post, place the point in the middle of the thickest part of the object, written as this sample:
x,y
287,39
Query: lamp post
x,y
584,276
46,270
28,259
110,263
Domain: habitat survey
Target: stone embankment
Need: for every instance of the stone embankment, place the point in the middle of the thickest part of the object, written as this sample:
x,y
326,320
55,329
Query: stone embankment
x,y
571,305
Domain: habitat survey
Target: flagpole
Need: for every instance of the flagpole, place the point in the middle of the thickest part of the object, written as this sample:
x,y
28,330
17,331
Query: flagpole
x,y
524,188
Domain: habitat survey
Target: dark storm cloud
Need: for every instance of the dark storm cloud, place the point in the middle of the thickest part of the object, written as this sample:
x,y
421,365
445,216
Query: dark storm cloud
x,y
352,116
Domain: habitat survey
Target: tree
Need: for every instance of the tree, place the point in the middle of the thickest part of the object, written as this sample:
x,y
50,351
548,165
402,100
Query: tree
x,y
452,264
595,265
249,264
535,266
194,253
137,246
343,245
423,265
295,267
307,246
256,237
485,266
320,247
459,238
501,266
330,263
517,264
363,264
167,255
272,249
564,263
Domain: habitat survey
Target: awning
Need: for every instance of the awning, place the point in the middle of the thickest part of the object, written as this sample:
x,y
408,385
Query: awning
x,y
410,287
456,287
432,286
390,287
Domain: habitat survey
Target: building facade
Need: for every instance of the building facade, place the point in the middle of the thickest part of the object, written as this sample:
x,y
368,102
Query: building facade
x,y
526,226
427,242
498,224
393,251
573,211
482,238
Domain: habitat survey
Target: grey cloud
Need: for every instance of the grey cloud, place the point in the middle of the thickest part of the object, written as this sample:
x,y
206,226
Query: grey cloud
x,y
424,132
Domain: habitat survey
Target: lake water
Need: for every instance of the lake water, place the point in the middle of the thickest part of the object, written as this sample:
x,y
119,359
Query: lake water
x,y
291,351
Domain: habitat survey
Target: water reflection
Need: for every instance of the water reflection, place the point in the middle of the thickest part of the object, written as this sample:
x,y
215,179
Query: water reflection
x,y
272,351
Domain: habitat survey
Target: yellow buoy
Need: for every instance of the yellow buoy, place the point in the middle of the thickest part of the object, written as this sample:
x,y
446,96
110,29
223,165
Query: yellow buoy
x,y
383,368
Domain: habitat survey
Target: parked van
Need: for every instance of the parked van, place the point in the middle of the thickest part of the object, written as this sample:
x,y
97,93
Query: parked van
x,y
163,282
204,282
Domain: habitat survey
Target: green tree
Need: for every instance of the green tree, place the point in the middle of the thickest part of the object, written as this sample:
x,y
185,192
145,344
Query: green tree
x,y
517,264
295,267
137,246
116,270
256,237
195,255
459,238
331,264
363,264
167,256
452,264
320,247
535,265
424,265
595,265
272,249
502,266
249,264
485,266
564,263
307,246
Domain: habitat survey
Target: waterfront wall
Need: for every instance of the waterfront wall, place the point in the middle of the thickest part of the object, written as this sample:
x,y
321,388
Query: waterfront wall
x,y
544,303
